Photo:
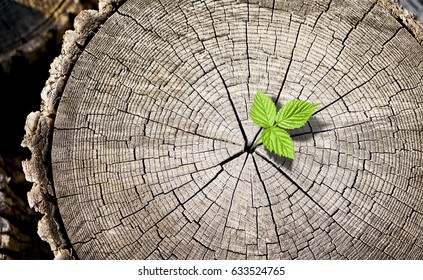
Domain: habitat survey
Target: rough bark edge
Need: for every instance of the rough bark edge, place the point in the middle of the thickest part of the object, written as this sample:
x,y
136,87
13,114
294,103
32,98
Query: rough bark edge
x,y
39,128
16,223
406,18
39,125
37,44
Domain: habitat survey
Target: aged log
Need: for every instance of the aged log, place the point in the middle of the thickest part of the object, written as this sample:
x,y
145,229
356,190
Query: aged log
x,y
414,6
141,148
18,238
26,26
30,35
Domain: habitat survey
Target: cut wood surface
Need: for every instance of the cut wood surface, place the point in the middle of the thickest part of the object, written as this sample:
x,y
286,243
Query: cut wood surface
x,y
149,133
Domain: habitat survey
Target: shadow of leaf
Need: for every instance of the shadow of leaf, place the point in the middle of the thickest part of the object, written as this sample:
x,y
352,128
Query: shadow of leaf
x,y
282,162
313,125
303,134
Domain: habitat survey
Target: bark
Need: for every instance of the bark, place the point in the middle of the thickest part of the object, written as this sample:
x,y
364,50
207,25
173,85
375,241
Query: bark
x,y
18,240
141,149
30,35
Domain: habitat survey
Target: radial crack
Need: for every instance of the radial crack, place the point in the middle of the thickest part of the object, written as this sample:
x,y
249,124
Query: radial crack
x,y
270,204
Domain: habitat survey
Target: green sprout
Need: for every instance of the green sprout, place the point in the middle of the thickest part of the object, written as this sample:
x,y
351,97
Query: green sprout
x,y
294,114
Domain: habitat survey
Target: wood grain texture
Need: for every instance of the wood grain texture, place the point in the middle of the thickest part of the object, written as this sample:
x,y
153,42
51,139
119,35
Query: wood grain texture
x,y
39,127
405,17
149,145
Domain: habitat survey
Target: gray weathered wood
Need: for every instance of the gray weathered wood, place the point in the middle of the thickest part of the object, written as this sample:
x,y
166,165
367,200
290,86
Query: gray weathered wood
x,y
151,126
27,25
414,6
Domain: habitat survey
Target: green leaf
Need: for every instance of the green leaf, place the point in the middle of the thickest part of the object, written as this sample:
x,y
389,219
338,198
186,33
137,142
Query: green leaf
x,y
295,113
263,110
277,140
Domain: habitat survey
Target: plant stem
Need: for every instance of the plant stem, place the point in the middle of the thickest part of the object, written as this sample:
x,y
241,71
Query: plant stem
x,y
255,143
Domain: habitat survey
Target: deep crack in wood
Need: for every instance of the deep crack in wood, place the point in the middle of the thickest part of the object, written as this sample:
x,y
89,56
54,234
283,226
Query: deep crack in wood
x,y
148,154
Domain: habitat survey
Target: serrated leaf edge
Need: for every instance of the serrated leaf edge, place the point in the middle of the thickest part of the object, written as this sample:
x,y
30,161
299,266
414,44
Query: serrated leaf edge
x,y
291,153
312,108
259,111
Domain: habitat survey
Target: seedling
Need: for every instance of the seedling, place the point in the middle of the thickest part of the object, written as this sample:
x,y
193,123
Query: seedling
x,y
294,114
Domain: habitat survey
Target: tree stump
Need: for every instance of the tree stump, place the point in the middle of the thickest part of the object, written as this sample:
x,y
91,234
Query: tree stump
x,y
142,143
30,35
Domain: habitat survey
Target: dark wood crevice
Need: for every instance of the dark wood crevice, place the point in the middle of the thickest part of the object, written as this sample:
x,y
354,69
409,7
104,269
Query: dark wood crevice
x,y
142,167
